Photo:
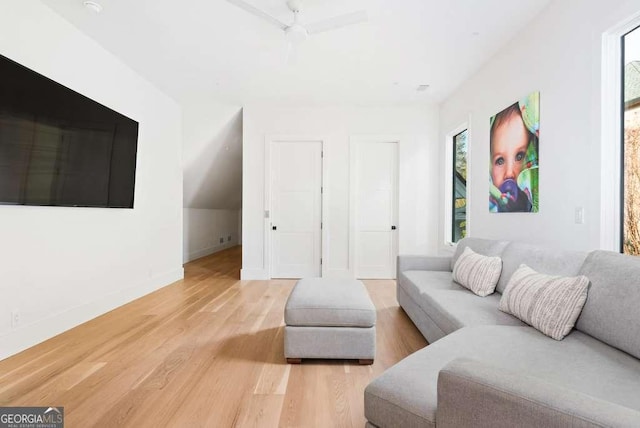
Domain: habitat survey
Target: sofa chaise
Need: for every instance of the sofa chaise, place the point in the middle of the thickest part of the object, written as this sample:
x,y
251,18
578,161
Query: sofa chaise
x,y
485,368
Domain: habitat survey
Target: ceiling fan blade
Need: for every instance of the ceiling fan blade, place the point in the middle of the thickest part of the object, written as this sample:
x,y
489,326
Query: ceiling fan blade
x,y
259,13
337,22
293,51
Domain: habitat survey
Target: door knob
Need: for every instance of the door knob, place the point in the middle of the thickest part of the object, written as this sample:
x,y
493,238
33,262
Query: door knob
x,y
393,228
274,228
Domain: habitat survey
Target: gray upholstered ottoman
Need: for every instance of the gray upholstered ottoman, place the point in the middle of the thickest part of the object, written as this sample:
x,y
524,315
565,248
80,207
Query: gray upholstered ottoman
x,y
330,318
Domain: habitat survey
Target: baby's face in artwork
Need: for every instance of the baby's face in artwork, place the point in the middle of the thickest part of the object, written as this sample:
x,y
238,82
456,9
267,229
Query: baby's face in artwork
x,y
508,149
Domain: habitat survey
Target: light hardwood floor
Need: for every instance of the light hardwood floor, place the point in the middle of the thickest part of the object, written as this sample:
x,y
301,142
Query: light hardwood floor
x,y
205,351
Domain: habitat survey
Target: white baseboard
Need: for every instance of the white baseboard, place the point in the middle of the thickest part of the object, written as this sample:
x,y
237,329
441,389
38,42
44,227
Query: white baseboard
x,y
249,274
29,335
193,255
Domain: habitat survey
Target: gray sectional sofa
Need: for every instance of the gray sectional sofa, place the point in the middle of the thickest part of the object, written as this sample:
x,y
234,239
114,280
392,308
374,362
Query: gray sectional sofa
x,y
485,368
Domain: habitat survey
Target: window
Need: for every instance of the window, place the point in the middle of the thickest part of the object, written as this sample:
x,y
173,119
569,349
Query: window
x,y
631,143
459,187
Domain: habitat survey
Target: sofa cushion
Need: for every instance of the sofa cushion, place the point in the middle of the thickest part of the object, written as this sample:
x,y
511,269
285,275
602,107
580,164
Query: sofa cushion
x,y
407,392
415,281
454,309
486,247
450,305
409,294
549,303
541,259
419,317
477,272
612,311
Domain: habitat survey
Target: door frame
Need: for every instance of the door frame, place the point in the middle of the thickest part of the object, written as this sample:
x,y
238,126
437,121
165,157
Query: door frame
x,y
269,141
354,141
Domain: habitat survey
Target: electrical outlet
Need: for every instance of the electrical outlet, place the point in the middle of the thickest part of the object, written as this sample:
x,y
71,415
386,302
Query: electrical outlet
x,y
222,240
15,318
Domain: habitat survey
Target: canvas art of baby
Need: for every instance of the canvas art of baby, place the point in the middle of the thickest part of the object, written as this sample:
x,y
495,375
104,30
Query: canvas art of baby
x,y
514,140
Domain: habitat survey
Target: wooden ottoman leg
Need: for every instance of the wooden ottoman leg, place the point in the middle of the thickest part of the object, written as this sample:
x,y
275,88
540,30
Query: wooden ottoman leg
x,y
365,362
294,360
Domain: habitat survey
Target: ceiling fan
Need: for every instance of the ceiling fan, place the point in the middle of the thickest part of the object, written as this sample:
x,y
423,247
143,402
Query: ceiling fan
x,y
296,32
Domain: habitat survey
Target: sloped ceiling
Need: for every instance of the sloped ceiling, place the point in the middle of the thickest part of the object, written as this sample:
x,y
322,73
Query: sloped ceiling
x,y
212,156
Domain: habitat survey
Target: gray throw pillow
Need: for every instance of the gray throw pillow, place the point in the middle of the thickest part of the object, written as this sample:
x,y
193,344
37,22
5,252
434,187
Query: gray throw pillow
x,y
551,304
476,272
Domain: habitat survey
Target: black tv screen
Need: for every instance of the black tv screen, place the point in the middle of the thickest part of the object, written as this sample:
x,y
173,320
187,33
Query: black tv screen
x,y
60,148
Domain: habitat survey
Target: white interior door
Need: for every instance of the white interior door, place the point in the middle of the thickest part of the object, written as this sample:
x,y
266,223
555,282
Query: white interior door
x,y
376,210
296,209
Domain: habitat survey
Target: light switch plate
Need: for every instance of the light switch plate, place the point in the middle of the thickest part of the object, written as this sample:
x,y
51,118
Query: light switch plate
x,y
579,215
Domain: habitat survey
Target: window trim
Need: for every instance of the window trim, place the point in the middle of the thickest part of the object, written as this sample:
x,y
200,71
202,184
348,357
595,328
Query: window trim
x,y
622,137
448,183
611,226
454,150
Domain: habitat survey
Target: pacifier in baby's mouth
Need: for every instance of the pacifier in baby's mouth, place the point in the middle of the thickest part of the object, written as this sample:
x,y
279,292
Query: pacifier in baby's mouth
x,y
510,189
517,198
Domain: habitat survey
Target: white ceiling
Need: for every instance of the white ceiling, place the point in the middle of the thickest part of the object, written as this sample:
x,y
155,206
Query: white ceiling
x,y
210,56
211,49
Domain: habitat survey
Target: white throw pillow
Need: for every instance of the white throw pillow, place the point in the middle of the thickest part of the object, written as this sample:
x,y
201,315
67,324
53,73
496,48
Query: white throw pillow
x,y
548,303
476,272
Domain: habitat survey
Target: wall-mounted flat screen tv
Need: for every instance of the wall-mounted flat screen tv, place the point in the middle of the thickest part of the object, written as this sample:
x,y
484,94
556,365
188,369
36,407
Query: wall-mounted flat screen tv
x,y
60,148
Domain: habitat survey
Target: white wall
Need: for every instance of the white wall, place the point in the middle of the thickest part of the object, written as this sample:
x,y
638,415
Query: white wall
x,y
204,228
63,266
418,156
559,54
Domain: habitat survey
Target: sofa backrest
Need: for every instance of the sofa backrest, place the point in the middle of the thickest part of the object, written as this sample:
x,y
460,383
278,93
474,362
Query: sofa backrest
x,y
612,311
541,259
487,247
